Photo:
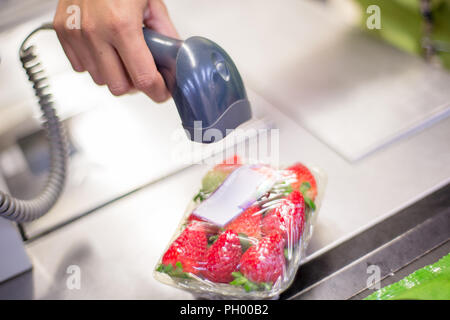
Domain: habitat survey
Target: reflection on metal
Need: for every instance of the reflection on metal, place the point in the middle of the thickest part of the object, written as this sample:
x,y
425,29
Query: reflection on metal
x,y
390,245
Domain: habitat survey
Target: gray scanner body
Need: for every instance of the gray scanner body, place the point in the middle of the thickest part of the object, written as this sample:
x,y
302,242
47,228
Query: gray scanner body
x,y
205,85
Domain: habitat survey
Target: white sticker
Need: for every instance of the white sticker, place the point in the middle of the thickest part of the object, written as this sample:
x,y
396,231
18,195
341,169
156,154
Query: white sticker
x,y
239,190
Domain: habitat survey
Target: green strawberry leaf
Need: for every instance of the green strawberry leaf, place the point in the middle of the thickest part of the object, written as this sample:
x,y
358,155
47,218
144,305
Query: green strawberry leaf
x,y
305,187
250,286
238,281
160,268
165,268
173,272
241,281
310,203
200,196
266,286
288,189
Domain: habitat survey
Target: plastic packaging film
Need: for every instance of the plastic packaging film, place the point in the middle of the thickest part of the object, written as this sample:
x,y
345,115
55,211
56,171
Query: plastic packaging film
x,y
245,232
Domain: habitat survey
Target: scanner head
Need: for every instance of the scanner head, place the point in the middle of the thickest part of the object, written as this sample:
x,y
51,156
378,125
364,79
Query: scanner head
x,y
209,92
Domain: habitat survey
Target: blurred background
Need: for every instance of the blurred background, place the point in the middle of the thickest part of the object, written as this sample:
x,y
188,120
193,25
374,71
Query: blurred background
x,y
362,92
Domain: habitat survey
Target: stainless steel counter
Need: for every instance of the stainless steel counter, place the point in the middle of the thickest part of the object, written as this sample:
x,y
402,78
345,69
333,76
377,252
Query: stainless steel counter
x,y
117,245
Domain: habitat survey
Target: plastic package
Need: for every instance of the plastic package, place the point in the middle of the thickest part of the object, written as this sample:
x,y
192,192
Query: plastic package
x,y
245,232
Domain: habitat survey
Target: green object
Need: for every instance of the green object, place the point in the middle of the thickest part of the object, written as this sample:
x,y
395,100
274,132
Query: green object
x,y
241,280
173,272
429,283
402,25
200,196
212,180
303,189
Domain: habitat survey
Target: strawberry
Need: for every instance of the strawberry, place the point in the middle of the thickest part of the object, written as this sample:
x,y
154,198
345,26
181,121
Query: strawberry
x,y
189,249
262,263
248,223
209,228
223,257
214,178
228,165
287,218
193,217
305,181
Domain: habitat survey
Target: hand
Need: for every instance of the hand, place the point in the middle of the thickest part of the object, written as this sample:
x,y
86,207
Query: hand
x,y
110,44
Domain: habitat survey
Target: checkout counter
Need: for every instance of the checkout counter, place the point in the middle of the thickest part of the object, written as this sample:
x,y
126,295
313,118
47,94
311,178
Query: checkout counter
x,y
373,118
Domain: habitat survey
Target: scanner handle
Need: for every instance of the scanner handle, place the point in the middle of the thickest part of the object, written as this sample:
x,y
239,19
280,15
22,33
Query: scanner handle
x,y
164,49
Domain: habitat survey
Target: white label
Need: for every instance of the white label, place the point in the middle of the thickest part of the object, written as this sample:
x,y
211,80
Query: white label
x,y
239,190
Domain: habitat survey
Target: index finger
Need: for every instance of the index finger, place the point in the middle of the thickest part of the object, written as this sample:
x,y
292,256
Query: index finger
x,y
140,65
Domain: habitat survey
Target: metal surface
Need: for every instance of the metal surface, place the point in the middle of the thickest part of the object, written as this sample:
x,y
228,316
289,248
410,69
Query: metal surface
x,y
334,263
116,144
351,91
405,247
116,248
406,170
124,241
368,103
119,244
428,258
115,149
13,12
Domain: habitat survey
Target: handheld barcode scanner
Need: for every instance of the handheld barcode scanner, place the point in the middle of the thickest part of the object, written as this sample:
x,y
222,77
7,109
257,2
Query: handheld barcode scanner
x,y
203,80
205,85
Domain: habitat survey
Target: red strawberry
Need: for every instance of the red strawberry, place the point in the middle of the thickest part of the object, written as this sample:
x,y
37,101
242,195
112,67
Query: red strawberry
x,y
214,178
287,218
304,175
193,217
264,262
209,228
223,257
189,249
228,165
248,223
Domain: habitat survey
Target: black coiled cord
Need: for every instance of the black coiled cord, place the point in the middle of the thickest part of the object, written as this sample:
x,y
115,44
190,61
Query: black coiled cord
x,y
28,210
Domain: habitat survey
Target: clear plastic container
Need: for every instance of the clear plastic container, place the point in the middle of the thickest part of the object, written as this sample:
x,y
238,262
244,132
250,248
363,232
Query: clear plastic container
x,y
245,232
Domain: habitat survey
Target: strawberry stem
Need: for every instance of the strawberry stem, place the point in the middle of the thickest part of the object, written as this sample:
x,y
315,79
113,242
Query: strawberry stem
x,y
303,189
310,203
200,196
241,281
176,272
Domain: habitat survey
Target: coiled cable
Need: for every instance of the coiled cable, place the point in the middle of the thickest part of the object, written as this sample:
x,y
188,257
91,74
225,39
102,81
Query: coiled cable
x,y
27,210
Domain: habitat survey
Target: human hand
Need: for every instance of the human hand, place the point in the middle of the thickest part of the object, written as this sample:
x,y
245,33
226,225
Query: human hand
x,y
110,44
